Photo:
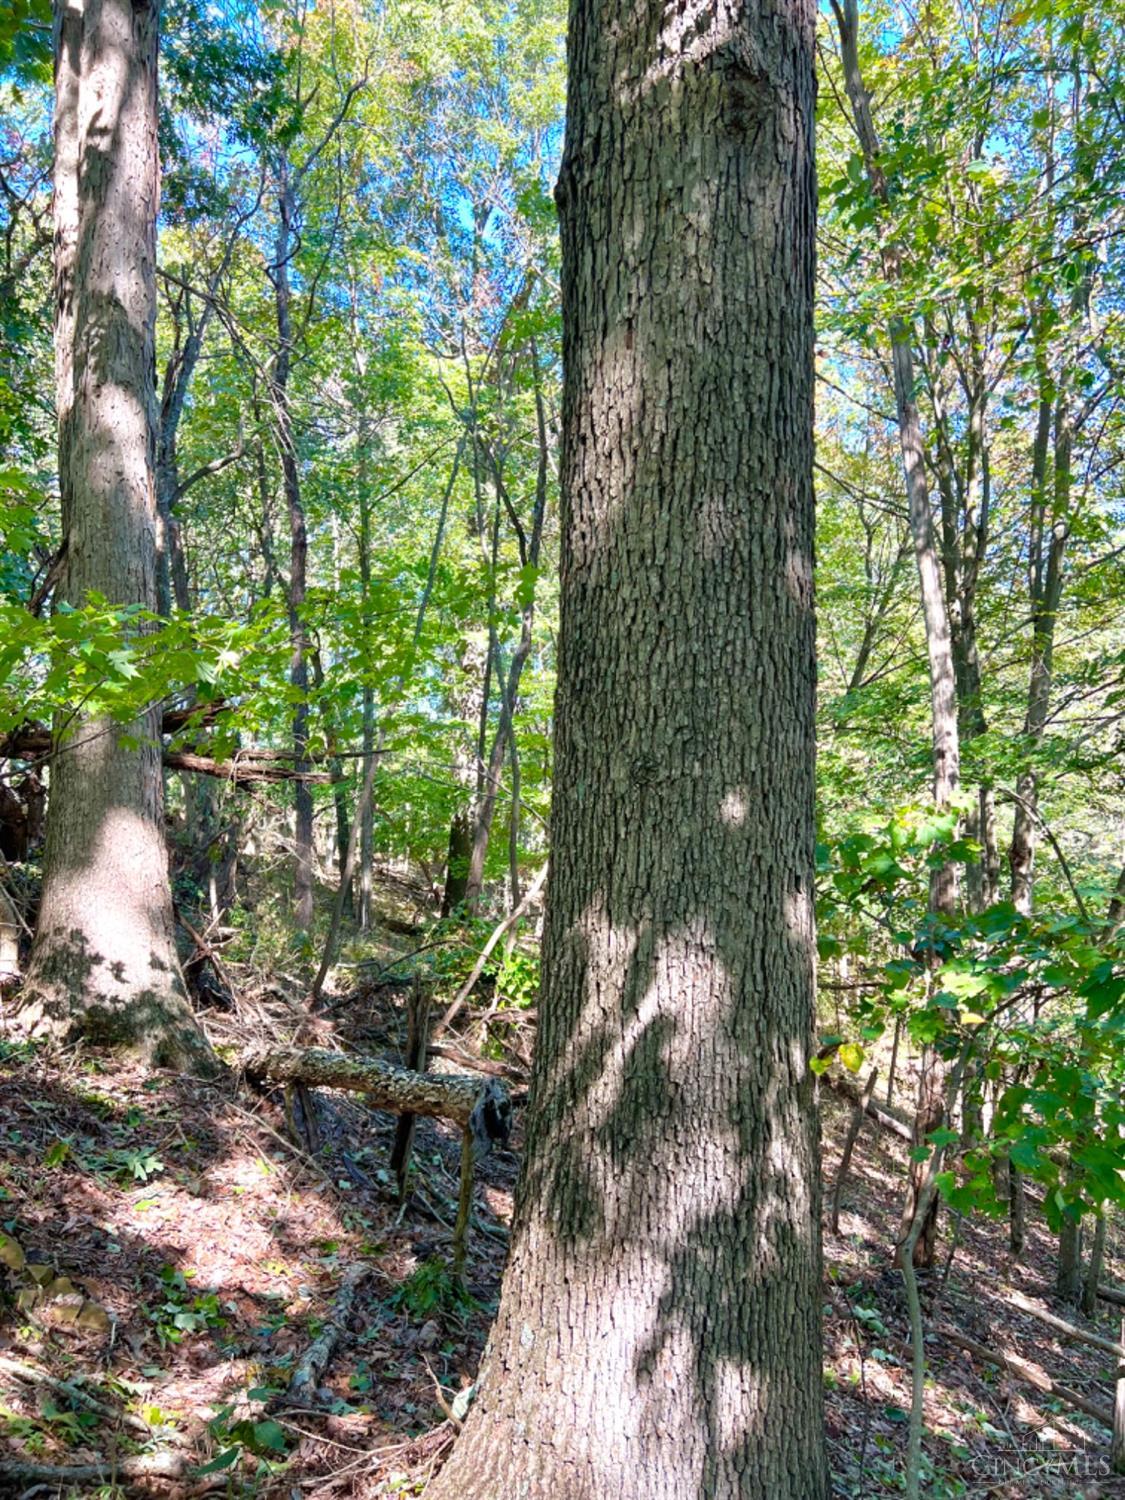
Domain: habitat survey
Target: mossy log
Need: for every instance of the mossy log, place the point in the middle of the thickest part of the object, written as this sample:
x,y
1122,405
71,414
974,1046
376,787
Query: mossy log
x,y
479,1105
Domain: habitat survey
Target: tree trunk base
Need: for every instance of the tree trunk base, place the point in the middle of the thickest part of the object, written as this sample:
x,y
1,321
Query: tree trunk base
x,y
65,1000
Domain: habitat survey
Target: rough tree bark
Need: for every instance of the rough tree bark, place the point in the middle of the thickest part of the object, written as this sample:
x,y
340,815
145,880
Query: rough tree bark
x,y
104,963
658,1332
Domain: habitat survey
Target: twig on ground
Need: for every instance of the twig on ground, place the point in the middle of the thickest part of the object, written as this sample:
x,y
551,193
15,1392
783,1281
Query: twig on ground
x,y
311,1368
440,1394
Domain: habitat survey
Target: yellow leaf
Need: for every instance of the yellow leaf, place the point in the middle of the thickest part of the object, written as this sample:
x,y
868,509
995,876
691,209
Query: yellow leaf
x,y
11,1254
94,1317
852,1055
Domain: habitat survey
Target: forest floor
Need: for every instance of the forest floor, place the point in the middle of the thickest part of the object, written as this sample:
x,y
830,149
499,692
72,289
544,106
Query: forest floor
x,y
211,1251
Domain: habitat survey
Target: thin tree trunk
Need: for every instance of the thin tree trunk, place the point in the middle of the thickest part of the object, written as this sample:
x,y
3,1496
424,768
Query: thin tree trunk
x,y
943,691
486,808
298,548
1094,1269
339,796
1068,1274
367,814
1068,1271
104,963
505,729
367,789
939,649
1017,1209
895,1043
1051,529
514,825
859,1114
658,1330
965,508
1047,583
467,704
171,565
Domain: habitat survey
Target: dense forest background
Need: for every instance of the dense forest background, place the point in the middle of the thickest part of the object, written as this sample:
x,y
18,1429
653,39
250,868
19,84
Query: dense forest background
x,y
352,649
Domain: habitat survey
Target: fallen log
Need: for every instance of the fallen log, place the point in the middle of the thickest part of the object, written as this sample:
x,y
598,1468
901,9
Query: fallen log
x,y
242,771
877,1112
307,1375
32,740
480,1105
35,1375
250,765
1030,1375
138,1466
1061,1326
1112,1294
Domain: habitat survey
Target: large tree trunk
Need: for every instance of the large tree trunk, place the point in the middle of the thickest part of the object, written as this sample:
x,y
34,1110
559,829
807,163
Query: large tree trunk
x,y
658,1333
104,963
457,857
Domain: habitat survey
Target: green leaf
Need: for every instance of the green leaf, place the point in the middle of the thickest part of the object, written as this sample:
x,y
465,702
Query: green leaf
x,y
221,1461
270,1435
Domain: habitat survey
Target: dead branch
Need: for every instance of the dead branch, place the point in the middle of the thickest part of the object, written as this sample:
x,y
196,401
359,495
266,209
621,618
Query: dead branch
x,y
482,958
240,770
35,1375
141,1466
1030,1375
35,742
310,1370
1060,1325
888,1121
